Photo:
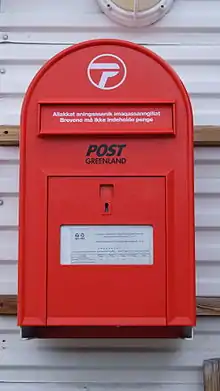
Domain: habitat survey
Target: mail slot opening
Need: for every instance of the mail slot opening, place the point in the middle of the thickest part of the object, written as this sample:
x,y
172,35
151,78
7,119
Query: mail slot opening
x,y
109,118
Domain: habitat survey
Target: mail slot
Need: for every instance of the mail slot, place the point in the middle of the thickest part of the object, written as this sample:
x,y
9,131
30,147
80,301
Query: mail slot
x,y
106,215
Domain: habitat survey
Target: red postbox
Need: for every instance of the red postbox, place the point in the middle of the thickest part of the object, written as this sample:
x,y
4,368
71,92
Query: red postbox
x,y
106,239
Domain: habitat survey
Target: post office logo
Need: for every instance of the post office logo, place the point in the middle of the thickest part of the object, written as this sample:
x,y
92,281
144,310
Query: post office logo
x,y
107,71
105,154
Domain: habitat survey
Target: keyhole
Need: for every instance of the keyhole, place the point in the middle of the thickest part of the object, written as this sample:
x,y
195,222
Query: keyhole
x,y
106,207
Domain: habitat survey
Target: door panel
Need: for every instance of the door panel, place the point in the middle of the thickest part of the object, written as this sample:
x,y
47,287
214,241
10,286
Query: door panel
x,y
92,285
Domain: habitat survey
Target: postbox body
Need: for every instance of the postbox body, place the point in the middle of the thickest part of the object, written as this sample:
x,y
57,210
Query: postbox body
x,y
106,238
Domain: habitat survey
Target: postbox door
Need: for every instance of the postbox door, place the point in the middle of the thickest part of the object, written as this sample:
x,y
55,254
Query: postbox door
x,y
106,251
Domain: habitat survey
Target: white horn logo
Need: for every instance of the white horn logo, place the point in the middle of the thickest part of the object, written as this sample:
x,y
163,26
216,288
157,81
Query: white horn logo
x,y
107,71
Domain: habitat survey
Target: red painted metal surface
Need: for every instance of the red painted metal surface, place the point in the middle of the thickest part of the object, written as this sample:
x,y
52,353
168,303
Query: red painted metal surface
x,y
148,163
103,294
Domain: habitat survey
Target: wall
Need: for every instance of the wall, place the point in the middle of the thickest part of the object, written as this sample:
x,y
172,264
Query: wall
x,y
105,365
189,39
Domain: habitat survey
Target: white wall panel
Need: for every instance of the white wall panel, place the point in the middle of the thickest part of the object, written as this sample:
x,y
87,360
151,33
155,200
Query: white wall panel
x,y
8,245
86,6
40,386
9,212
187,22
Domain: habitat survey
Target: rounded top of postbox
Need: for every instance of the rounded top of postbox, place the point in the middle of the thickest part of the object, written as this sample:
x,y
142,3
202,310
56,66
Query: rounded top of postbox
x,y
106,70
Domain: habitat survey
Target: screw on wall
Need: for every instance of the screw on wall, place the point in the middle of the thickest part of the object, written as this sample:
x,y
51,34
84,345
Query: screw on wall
x,y
3,344
5,37
1,202
2,71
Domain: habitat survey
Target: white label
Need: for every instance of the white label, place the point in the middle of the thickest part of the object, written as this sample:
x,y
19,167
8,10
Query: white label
x,y
106,245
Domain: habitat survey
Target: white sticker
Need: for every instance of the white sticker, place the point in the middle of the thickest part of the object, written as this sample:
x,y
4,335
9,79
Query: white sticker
x,y
106,245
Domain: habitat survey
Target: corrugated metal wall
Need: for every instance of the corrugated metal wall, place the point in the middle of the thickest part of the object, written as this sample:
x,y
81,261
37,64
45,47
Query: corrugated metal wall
x,y
189,39
207,196
151,365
